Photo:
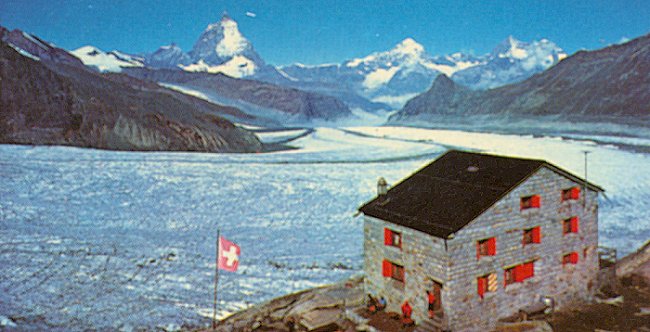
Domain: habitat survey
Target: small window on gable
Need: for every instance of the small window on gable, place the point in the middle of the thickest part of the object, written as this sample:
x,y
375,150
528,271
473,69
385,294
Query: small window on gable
x,y
570,225
392,238
487,283
530,202
571,194
570,258
487,247
532,235
519,273
392,270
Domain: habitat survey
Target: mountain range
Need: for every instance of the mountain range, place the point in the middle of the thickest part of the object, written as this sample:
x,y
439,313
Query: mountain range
x,y
381,80
610,84
48,97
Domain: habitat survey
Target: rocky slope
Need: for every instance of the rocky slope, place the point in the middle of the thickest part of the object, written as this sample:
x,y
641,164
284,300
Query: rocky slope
x,y
36,48
608,84
341,307
286,105
54,103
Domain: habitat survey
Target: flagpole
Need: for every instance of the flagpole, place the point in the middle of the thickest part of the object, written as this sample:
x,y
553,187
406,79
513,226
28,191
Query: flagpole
x,y
216,282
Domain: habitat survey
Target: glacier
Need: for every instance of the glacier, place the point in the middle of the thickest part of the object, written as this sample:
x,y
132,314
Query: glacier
x,y
93,239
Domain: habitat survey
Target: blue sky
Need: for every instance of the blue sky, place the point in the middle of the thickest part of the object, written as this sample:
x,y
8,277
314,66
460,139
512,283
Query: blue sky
x,y
330,31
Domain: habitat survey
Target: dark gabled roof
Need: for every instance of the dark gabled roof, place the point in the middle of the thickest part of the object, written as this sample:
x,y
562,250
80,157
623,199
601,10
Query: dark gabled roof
x,y
444,196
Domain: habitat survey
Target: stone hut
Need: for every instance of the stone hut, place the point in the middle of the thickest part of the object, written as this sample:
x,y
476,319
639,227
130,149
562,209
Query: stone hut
x,y
488,235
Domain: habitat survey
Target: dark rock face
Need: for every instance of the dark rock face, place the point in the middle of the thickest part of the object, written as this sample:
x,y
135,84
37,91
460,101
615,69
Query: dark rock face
x,y
300,105
612,83
38,47
52,103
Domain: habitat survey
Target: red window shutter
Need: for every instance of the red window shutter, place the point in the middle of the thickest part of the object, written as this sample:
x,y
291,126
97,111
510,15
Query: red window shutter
x,y
535,201
387,268
388,237
574,224
482,286
518,272
575,193
531,269
492,246
537,235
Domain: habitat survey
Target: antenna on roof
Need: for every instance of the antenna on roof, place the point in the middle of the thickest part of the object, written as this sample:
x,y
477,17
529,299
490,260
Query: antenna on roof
x,y
584,187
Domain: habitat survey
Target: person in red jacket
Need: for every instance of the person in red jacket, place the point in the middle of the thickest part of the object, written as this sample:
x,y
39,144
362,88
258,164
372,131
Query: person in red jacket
x,y
406,314
431,299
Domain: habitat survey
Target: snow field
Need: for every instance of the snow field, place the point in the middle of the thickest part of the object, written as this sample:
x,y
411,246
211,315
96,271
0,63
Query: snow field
x,y
94,239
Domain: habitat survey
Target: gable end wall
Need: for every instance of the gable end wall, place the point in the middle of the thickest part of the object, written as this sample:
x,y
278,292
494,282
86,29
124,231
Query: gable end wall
x,y
505,221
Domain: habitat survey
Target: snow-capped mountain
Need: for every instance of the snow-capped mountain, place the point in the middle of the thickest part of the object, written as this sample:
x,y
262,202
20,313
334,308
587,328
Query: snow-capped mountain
x,y
168,56
511,61
221,48
393,77
381,80
112,61
390,77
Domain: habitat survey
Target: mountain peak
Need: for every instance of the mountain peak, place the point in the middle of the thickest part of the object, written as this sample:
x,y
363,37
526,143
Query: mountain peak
x,y
409,46
220,41
225,22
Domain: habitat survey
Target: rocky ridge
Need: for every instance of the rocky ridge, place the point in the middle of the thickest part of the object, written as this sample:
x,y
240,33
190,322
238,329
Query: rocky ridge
x,y
54,103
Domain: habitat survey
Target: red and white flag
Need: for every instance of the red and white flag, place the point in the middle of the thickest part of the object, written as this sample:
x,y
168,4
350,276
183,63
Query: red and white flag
x,y
228,255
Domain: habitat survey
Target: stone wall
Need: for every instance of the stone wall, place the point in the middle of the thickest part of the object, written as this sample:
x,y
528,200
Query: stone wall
x,y
565,283
423,256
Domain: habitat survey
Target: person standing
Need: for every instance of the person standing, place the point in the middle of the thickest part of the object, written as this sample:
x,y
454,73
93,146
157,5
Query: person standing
x,y
431,299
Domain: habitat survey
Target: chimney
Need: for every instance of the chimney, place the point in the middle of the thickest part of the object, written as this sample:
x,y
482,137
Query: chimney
x,y
382,187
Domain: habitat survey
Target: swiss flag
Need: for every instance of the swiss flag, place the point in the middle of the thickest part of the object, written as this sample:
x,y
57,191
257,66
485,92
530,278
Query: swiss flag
x,y
228,257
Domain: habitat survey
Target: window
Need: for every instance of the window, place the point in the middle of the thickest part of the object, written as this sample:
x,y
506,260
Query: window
x,y
519,273
571,194
533,235
487,283
530,202
392,270
570,225
487,247
392,238
570,258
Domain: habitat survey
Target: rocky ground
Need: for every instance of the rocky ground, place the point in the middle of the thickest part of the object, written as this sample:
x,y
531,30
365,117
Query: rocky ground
x,y
622,305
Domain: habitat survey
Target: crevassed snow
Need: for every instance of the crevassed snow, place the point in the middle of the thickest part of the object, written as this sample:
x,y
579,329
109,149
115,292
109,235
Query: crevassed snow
x,y
105,240
394,101
93,56
280,136
379,77
239,66
187,91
